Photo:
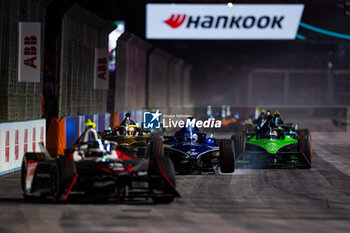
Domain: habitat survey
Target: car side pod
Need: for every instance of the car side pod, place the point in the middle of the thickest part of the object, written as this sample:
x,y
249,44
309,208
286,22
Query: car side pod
x,y
162,170
227,156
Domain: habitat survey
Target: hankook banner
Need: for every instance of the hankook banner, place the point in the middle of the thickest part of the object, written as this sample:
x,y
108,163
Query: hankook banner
x,y
101,69
29,52
219,21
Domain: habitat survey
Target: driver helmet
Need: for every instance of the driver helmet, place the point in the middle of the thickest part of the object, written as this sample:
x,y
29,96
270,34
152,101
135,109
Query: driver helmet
x,y
131,131
127,116
90,124
274,133
277,113
191,137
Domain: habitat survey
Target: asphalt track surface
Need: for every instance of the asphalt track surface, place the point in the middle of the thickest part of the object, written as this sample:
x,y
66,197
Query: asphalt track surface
x,y
251,200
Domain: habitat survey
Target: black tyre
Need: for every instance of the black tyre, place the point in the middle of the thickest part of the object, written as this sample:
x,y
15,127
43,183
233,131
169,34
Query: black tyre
x,y
163,200
24,170
305,147
56,184
155,149
164,185
227,156
239,144
161,165
100,200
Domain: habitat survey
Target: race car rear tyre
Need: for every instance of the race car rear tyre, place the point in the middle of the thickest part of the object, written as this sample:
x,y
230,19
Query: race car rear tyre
x,y
155,152
155,149
168,169
239,144
227,156
160,163
166,184
305,147
56,184
162,166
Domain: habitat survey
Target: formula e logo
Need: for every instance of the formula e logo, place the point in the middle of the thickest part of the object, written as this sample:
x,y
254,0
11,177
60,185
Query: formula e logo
x,y
151,120
175,21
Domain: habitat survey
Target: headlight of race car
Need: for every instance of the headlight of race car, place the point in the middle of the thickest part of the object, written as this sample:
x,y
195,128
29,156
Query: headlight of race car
x,y
116,166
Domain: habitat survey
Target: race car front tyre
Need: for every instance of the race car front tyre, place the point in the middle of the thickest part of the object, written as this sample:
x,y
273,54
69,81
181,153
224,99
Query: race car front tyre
x,y
227,156
56,185
24,174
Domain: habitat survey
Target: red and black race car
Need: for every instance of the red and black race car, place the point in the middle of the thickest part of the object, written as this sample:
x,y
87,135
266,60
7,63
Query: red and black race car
x,y
95,168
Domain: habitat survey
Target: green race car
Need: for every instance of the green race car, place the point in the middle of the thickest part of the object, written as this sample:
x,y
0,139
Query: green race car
x,y
267,144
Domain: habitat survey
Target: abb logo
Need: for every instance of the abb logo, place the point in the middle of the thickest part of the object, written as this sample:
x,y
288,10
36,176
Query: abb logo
x,y
102,68
175,21
30,49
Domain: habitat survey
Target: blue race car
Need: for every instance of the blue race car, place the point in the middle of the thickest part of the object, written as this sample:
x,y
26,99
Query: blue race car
x,y
193,152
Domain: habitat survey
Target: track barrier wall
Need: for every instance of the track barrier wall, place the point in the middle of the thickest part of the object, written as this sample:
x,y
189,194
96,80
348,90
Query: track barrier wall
x,y
17,138
19,100
148,77
82,32
299,87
